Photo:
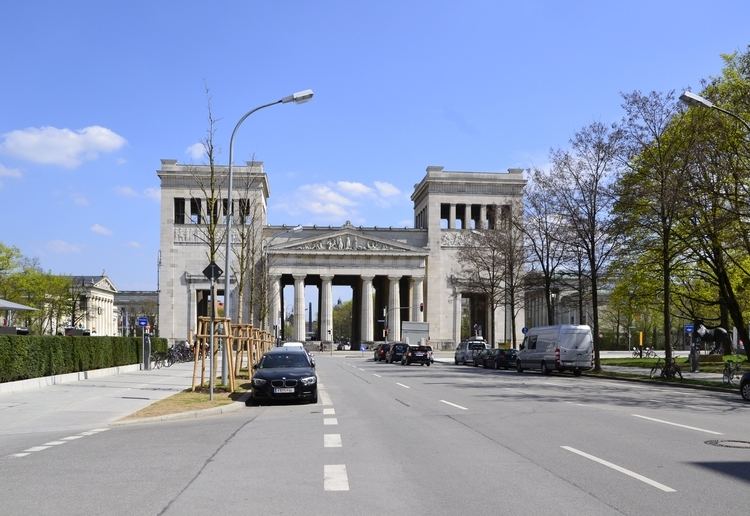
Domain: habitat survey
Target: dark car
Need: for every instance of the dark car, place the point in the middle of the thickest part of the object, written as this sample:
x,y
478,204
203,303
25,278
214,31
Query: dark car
x,y
495,358
284,374
396,352
417,355
381,351
745,386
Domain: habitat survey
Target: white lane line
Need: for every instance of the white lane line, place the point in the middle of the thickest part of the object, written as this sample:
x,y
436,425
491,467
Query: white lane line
x,y
633,474
360,369
329,412
36,448
325,399
330,421
677,424
331,440
402,385
20,454
54,443
335,478
453,405
97,430
72,438
376,375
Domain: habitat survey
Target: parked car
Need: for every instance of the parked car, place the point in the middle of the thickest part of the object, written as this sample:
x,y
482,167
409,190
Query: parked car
x,y
466,350
396,352
745,386
284,374
563,347
381,351
417,354
496,358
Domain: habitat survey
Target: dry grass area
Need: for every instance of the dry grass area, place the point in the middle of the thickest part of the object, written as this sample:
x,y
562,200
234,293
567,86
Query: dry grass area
x,y
187,401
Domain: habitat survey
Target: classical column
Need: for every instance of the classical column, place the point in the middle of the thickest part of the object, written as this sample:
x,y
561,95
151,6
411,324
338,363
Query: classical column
x,y
367,322
457,316
467,216
452,216
394,312
326,312
483,216
274,305
299,307
417,298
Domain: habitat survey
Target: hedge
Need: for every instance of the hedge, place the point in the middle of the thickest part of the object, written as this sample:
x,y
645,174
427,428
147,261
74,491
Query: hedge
x,y
32,356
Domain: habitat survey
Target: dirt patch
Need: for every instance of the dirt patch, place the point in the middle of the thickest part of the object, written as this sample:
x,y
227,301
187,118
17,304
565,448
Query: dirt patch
x,y
187,401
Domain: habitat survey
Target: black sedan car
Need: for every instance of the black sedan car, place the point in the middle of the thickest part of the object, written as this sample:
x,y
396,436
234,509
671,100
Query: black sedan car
x,y
284,374
396,352
496,358
417,354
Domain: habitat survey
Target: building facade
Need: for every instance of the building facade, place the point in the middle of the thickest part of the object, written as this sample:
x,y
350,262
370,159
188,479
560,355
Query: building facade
x,y
395,274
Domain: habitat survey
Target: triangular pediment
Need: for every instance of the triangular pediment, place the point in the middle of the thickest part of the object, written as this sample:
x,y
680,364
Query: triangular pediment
x,y
348,240
105,283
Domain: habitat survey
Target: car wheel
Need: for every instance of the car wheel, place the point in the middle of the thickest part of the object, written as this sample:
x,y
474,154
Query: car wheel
x,y
455,361
745,390
251,402
518,366
545,369
314,399
428,363
577,372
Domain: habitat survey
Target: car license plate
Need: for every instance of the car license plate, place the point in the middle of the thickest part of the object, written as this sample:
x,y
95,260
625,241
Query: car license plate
x,y
283,390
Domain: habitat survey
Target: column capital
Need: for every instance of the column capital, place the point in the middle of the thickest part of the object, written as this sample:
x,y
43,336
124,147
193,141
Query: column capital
x,y
367,277
327,277
394,278
299,277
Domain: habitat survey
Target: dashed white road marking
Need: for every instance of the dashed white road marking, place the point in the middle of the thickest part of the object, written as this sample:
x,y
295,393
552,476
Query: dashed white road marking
x,y
20,454
402,385
453,405
633,474
331,440
677,424
374,374
72,438
36,448
330,421
54,443
329,412
335,478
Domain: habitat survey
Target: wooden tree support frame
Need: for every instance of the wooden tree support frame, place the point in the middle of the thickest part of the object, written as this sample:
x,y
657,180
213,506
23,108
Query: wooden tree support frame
x,y
222,335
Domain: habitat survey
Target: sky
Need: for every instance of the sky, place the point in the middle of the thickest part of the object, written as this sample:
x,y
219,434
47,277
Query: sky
x,y
94,94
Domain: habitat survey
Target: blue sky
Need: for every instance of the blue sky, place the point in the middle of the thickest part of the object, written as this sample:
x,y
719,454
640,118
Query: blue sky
x,y
95,93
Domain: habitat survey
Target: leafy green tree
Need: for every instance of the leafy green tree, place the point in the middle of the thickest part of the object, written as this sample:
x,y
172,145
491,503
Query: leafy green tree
x,y
342,320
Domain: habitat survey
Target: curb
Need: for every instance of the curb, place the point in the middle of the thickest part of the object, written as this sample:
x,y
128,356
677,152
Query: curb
x,y
35,384
192,414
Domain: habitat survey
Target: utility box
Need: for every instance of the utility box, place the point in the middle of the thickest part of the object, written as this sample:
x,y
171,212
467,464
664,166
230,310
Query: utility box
x,y
413,332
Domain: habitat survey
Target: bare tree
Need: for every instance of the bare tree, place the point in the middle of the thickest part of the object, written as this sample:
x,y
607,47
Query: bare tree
x,y
582,180
542,225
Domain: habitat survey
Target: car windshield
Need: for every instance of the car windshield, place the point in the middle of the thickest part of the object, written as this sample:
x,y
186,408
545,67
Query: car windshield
x,y
476,346
399,347
277,360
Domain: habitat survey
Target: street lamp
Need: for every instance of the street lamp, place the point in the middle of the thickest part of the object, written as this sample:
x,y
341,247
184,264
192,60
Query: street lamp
x,y
297,98
693,99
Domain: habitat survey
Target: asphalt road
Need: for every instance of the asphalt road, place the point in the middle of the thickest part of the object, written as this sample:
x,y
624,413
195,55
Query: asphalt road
x,y
388,439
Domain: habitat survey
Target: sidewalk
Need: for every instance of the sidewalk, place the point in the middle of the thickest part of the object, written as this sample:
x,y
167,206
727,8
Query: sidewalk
x,y
91,402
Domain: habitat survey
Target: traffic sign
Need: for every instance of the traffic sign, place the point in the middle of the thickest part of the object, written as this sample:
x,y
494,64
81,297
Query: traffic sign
x,y
213,271
524,330
689,328
143,321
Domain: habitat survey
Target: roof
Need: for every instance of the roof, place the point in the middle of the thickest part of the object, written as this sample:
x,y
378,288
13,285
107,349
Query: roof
x,y
10,305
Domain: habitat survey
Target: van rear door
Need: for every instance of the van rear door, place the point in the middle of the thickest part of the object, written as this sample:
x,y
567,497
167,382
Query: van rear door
x,y
576,348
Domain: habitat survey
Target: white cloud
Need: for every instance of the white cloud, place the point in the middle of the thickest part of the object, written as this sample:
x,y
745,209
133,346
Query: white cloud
x,y
126,191
354,188
133,244
63,247
152,193
324,194
64,147
386,189
80,200
9,172
101,230
196,151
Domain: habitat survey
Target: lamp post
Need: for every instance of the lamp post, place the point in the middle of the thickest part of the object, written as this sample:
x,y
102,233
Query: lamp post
x,y
297,98
693,99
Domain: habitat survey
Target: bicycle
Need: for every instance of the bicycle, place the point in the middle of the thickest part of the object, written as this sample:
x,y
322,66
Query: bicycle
x,y
647,353
732,372
158,359
666,370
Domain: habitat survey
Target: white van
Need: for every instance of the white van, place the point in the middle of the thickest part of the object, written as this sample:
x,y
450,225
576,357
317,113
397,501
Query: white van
x,y
565,347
